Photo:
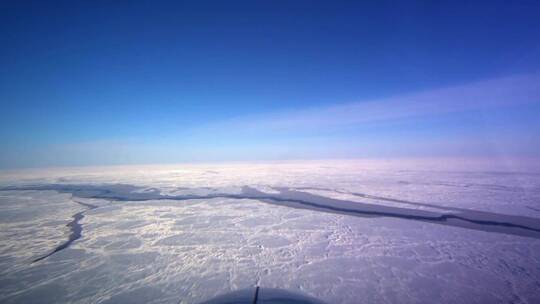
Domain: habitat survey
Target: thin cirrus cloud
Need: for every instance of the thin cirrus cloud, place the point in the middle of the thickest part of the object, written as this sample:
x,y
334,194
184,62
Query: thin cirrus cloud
x,y
325,132
481,95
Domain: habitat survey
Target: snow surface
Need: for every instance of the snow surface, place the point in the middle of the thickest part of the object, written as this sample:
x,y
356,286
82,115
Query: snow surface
x,y
137,247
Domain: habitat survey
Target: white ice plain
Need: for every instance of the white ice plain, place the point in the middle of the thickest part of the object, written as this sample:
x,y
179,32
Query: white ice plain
x,y
141,244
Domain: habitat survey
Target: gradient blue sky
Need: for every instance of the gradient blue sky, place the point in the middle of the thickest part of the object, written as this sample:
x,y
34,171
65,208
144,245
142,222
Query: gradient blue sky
x,y
123,82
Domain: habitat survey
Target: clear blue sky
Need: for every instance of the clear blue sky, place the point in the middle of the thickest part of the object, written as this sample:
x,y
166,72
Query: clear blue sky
x,y
122,82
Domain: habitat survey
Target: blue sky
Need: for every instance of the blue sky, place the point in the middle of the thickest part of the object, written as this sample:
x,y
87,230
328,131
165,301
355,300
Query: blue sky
x,y
126,82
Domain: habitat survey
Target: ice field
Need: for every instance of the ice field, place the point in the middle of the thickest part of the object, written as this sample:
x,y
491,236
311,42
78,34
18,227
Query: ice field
x,y
426,231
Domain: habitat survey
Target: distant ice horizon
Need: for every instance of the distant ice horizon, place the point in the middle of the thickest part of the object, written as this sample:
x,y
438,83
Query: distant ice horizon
x,y
505,164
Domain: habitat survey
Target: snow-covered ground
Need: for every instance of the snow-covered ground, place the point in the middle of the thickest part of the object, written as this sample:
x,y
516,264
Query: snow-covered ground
x,y
186,233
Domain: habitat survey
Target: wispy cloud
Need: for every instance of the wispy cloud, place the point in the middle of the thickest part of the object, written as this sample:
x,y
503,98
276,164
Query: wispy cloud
x,y
487,94
325,132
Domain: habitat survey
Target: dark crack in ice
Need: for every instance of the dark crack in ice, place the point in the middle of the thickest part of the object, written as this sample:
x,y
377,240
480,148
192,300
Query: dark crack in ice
x,y
296,198
75,230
